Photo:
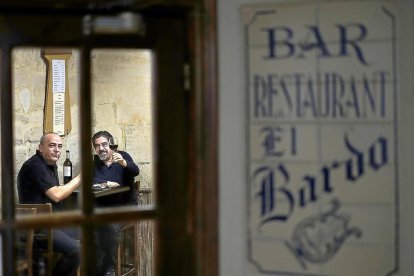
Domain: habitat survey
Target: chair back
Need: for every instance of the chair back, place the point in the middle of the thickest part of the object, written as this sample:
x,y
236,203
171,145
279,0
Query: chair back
x,y
43,237
24,240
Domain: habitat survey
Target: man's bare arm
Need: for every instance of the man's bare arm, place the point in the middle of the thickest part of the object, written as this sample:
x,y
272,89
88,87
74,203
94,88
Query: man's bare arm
x,y
59,193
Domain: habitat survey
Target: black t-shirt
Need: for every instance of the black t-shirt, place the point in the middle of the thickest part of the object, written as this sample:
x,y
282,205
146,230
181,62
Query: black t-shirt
x,y
34,179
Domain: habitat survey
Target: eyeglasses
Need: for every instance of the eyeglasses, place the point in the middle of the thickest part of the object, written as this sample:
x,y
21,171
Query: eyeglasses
x,y
104,145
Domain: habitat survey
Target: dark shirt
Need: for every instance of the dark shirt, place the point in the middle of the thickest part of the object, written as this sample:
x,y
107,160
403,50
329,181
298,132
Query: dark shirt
x,y
116,173
34,179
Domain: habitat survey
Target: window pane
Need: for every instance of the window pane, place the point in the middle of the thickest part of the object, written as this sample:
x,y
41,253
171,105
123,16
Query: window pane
x,y
44,250
122,106
46,99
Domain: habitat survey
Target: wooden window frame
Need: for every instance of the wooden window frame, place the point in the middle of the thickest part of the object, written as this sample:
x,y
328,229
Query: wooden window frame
x,y
186,214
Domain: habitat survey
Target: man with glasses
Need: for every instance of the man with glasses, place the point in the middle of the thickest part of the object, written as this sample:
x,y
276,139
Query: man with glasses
x,y
38,183
116,167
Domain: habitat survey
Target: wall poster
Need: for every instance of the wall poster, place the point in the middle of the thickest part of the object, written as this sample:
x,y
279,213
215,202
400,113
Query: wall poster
x,y
322,164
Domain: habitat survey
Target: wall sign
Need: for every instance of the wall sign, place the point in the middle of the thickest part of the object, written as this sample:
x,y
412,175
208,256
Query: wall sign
x,y
322,195
57,104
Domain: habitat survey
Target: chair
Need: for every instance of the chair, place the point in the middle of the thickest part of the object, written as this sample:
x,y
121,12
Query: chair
x,y
24,239
127,251
43,238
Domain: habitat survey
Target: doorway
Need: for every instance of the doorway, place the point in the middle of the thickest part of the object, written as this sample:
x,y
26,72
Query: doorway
x,y
166,35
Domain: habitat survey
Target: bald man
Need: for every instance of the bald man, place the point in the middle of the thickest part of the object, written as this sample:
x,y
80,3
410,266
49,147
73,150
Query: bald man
x,y
38,182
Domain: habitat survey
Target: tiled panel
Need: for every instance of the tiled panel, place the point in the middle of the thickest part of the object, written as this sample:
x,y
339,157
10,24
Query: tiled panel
x,y
321,138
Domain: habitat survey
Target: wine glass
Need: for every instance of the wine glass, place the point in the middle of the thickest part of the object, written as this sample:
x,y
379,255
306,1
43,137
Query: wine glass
x,y
114,146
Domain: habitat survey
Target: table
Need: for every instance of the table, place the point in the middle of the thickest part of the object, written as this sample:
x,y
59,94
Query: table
x,y
71,202
110,191
105,191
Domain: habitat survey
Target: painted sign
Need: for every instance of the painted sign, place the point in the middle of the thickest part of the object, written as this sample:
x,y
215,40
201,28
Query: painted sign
x,y
322,137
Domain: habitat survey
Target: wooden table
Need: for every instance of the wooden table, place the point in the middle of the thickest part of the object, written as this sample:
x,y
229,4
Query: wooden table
x,y
71,203
110,191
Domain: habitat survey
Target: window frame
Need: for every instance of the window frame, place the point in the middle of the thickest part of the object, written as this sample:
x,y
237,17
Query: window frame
x,y
176,216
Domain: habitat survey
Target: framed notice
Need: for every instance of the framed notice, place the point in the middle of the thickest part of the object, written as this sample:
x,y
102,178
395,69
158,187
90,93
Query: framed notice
x,y
322,164
57,104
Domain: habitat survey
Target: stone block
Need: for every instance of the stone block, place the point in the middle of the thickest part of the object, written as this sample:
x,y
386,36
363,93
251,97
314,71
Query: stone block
x,y
104,114
145,175
139,142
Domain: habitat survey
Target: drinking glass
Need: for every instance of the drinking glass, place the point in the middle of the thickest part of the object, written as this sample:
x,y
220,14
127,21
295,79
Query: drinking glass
x,y
114,145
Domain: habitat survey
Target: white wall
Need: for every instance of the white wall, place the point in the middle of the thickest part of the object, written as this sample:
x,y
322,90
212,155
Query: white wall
x,y
232,146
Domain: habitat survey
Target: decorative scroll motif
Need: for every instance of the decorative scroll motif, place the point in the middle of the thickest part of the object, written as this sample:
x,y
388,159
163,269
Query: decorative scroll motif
x,y
318,238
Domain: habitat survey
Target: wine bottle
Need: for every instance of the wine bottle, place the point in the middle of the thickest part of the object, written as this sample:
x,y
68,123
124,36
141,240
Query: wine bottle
x,y
67,169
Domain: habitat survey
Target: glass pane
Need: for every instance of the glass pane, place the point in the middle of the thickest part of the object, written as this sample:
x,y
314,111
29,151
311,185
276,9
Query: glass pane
x,y
43,251
122,105
123,124
127,248
46,99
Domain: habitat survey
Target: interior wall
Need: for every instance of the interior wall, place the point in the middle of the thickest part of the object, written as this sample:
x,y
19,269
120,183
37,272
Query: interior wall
x,y
232,143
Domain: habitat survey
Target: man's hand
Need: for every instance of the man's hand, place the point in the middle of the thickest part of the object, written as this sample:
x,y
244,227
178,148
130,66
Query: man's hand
x,y
117,158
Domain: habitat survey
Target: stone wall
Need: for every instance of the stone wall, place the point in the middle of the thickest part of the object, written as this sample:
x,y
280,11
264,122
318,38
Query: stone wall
x,y
121,96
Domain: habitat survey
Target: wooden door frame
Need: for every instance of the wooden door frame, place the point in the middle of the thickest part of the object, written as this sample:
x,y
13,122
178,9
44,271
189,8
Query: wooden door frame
x,y
207,196
202,214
